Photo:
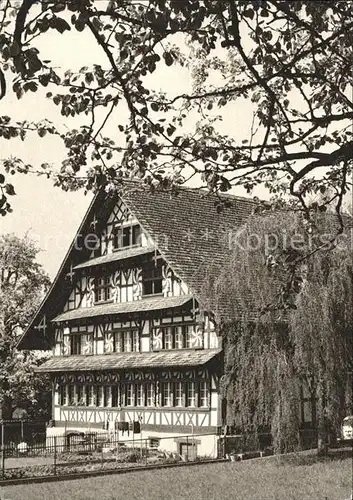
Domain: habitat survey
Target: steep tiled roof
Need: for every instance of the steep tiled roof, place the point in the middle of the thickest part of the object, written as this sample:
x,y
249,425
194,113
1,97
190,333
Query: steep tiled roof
x,y
115,257
123,361
187,228
150,304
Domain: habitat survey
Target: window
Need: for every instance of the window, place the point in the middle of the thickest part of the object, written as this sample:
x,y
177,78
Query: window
x,y
152,279
80,395
187,334
203,394
63,395
71,395
178,337
115,396
118,342
108,396
149,394
127,341
154,442
126,236
100,395
190,394
166,394
168,338
102,289
135,341
91,395
75,344
140,395
175,337
130,395
178,394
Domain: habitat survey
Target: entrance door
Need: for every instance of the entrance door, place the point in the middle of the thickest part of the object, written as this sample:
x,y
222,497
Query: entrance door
x,y
188,451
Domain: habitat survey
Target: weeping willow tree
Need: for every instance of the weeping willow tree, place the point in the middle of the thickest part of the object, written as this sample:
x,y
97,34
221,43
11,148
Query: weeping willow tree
x,y
286,310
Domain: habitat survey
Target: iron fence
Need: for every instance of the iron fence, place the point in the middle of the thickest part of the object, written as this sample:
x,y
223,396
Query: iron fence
x,y
87,452
15,431
80,453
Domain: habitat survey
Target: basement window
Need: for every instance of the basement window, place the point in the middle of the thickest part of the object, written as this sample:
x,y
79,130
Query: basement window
x,y
154,442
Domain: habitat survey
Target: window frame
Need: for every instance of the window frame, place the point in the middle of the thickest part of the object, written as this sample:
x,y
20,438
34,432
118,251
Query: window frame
x,y
184,332
131,230
140,396
166,397
150,394
190,401
76,343
152,275
103,284
168,338
123,337
179,385
204,394
129,387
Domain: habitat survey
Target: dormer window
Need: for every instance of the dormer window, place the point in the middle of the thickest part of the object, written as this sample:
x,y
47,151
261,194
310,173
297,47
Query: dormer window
x,y
127,236
102,289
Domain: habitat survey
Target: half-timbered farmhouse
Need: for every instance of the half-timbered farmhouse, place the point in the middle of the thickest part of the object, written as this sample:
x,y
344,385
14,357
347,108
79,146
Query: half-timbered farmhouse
x,y
130,341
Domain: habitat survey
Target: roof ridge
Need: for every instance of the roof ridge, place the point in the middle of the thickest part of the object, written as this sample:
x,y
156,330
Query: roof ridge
x,y
203,190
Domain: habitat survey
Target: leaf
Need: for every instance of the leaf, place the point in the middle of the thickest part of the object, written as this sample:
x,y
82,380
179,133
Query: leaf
x,y
2,178
9,189
60,25
42,132
123,54
171,129
80,24
168,58
32,86
44,79
58,7
89,77
249,13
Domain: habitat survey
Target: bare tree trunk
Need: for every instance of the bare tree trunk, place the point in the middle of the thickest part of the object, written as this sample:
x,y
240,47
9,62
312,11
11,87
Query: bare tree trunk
x,y
322,434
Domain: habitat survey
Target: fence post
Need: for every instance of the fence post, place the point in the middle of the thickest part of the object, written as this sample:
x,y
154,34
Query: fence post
x,y
2,450
187,448
102,445
146,452
55,455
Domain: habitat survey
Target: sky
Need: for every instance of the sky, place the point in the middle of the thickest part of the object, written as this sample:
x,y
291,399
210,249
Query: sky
x,y
48,214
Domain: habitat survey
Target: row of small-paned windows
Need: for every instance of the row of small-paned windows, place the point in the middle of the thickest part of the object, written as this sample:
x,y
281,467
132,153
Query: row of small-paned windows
x,y
81,343
126,236
124,341
89,395
176,337
172,394
152,283
171,337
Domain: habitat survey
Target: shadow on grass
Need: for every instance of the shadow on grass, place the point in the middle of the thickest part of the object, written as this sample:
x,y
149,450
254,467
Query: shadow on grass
x,y
312,457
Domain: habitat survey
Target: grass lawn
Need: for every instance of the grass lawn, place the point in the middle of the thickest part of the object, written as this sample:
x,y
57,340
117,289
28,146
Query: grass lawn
x,y
290,478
